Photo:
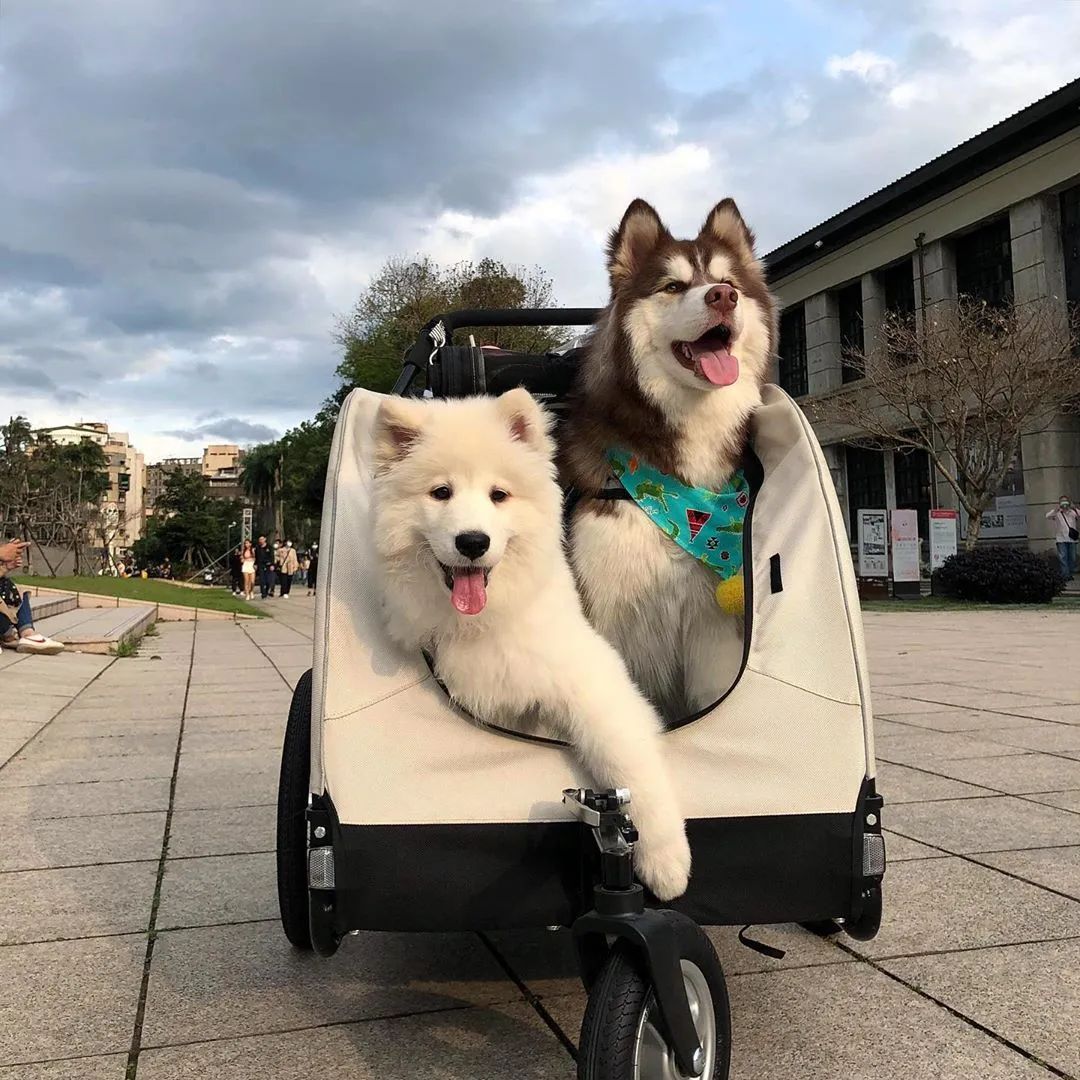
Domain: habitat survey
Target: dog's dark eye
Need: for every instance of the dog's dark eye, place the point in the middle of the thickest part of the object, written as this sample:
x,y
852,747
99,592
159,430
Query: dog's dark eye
x,y
442,493
675,287
498,495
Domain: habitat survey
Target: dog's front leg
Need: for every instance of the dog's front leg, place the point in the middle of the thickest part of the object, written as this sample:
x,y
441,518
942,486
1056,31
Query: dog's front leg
x,y
617,734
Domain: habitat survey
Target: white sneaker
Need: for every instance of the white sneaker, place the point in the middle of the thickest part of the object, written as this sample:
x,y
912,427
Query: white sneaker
x,y
285,597
39,643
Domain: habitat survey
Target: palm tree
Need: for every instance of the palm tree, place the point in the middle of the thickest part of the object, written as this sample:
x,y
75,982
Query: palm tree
x,y
260,477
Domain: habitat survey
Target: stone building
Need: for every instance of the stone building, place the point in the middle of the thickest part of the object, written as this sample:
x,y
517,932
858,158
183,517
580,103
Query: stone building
x,y
996,218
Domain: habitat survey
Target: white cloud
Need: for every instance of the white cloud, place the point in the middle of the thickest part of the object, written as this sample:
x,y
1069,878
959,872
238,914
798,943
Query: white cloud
x,y
869,66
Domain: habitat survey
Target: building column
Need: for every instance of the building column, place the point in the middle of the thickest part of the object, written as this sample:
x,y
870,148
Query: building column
x,y
1051,448
873,312
837,462
822,343
935,281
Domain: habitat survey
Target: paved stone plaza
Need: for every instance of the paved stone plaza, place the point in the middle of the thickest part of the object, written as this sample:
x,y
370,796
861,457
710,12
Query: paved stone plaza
x,y
138,911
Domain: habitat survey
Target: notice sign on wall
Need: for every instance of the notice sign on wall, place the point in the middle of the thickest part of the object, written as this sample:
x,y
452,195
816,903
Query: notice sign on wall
x,y
905,545
873,544
942,536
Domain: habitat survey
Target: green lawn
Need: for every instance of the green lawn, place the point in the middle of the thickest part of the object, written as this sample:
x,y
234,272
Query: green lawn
x,y
155,592
938,603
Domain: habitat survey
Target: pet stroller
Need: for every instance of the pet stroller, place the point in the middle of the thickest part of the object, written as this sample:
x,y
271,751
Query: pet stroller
x,y
399,812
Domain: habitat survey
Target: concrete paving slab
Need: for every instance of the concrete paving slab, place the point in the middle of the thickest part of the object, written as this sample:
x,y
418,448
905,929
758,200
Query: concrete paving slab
x,y
59,842
218,982
787,1024
274,705
61,745
928,907
901,849
921,747
38,708
46,801
86,901
109,1067
1062,714
1055,868
960,720
12,730
238,829
266,736
149,707
904,784
21,771
218,889
968,825
1016,774
205,788
1025,993
1040,735
491,1043
75,726
1067,800
66,998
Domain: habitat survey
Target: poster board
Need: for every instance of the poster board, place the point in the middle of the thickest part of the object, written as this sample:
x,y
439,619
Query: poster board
x,y
905,546
942,536
873,544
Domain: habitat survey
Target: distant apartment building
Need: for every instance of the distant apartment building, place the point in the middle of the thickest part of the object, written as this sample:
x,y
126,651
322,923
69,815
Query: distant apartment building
x,y
995,219
220,457
122,503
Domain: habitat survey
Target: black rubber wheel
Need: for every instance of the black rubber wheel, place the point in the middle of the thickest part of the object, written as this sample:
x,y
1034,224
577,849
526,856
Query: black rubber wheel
x,y
291,818
620,1034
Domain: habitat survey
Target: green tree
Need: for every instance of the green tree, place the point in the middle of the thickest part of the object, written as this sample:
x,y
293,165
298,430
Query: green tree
x,y
190,525
260,477
406,294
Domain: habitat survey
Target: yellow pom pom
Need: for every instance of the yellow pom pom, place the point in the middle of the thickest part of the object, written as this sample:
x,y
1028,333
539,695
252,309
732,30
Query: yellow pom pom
x,y
730,596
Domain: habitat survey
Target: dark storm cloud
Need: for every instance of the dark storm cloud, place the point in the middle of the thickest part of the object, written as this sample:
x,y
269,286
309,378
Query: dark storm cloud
x,y
230,428
167,167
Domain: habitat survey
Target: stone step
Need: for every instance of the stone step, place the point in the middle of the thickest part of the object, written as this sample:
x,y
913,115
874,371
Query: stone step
x,y
46,605
97,630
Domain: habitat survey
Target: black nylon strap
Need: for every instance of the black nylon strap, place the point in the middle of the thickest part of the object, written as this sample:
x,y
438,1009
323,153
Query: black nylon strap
x,y
760,946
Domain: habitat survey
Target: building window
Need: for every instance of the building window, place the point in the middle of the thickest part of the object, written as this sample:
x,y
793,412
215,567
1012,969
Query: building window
x,y
984,264
898,289
1070,243
865,484
911,468
849,310
792,351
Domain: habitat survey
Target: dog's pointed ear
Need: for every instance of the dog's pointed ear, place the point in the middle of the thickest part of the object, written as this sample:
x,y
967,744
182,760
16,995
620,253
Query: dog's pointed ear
x,y
726,225
526,419
630,244
398,425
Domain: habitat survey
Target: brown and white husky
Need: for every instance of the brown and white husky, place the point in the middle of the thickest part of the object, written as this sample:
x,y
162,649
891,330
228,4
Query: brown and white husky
x,y
672,375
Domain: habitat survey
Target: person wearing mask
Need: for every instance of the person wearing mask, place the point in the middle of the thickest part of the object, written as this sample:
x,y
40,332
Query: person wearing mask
x,y
264,561
16,618
313,569
289,565
1066,521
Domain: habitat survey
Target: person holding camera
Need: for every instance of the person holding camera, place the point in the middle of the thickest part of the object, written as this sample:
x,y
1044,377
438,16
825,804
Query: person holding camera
x,y
16,619
1066,519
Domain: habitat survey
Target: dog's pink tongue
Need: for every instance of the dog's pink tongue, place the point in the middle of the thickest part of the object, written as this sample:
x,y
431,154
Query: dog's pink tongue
x,y
469,594
719,366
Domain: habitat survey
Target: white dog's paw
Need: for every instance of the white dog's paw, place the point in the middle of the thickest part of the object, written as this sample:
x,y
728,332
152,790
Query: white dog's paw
x,y
664,866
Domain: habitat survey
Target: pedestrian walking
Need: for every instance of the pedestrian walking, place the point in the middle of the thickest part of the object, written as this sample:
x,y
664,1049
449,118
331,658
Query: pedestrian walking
x,y
1066,519
289,565
264,562
313,569
236,571
247,568
301,574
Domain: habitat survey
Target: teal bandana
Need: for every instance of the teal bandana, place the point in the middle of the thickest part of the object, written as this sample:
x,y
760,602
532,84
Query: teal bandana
x,y
707,524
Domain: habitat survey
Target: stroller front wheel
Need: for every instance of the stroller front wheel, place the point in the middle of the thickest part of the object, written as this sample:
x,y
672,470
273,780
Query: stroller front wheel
x,y
291,818
622,1034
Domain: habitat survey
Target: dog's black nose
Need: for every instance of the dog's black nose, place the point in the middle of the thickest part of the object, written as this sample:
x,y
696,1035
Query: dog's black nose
x,y
472,544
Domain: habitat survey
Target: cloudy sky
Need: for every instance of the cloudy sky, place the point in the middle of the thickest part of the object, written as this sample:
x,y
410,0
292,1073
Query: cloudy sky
x,y
189,192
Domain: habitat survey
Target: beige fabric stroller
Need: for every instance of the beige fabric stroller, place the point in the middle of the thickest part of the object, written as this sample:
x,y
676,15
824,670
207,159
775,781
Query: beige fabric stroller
x,y
397,811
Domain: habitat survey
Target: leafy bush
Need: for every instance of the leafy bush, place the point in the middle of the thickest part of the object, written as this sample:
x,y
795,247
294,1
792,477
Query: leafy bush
x,y
999,575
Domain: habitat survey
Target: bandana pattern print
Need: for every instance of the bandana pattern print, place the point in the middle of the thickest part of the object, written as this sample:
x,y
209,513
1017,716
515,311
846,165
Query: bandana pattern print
x,y
707,524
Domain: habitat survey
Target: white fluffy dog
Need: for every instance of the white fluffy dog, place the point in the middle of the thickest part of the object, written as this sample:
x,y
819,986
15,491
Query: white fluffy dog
x,y
468,523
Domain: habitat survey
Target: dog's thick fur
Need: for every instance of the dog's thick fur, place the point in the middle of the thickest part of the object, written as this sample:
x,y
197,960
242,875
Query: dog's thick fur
x,y
643,592
530,649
